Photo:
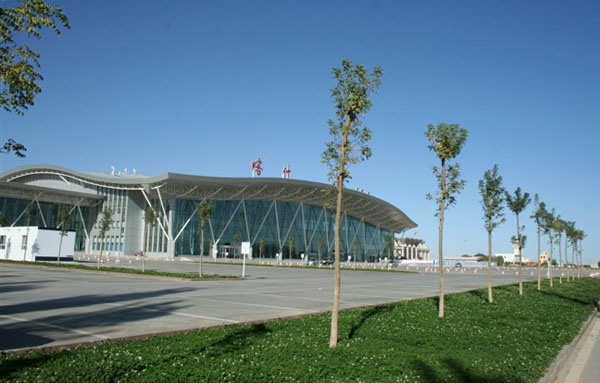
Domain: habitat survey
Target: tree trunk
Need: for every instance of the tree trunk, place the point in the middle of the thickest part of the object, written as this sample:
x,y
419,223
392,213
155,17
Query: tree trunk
x,y
520,257
567,256
101,250
580,263
201,249
441,240
490,294
333,336
319,252
539,261
59,249
550,262
559,259
26,241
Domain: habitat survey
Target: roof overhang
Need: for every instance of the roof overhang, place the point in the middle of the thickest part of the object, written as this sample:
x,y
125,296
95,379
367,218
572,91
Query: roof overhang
x,y
42,194
360,205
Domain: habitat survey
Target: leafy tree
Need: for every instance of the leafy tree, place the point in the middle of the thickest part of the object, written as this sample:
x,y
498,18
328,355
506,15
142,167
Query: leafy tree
x,y
320,245
351,97
105,222
492,200
150,220
3,220
237,238
548,228
499,261
517,203
262,242
291,246
389,245
538,216
18,62
204,210
580,237
32,210
559,228
446,140
64,218
571,234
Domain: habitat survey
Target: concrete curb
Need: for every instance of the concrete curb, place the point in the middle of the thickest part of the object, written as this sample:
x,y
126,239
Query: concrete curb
x,y
567,351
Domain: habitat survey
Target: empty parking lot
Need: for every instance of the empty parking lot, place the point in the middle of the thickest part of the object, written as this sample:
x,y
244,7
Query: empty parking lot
x,y
43,307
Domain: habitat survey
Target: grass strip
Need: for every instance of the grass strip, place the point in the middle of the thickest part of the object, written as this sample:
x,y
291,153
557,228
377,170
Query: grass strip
x,y
512,340
124,270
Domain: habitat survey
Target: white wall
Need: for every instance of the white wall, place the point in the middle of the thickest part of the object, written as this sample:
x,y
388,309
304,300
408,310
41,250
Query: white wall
x,y
41,243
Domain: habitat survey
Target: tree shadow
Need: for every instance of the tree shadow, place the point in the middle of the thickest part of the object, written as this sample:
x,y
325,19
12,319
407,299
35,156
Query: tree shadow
x,y
459,373
481,294
237,340
21,286
79,327
366,315
584,302
87,300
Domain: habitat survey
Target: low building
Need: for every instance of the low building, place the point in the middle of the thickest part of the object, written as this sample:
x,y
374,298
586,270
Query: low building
x,y
411,248
34,244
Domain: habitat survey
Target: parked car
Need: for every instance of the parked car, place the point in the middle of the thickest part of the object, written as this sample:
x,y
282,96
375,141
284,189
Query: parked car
x,y
327,261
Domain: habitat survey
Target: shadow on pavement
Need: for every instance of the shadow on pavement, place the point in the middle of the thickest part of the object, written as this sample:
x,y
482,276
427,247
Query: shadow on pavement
x,y
65,327
85,300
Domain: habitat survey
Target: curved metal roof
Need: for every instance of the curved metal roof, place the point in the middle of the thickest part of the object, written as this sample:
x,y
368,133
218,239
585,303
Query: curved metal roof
x,y
173,185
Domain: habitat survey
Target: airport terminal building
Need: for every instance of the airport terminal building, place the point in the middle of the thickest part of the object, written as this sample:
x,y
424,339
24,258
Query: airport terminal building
x,y
273,212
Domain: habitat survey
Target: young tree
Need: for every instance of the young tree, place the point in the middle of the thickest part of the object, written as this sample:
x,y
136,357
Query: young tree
x,y
32,210
64,217
538,216
492,201
351,97
262,242
320,245
105,223
570,234
389,245
150,220
3,220
237,238
517,204
18,62
446,140
580,237
559,227
204,210
291,246
548,228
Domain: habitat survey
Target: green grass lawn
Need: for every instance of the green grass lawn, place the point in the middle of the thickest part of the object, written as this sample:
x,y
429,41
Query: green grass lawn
x,y
513,340
124,270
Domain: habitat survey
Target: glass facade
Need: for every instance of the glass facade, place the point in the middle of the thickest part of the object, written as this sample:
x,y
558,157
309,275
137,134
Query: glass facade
x,y
12,208
277,225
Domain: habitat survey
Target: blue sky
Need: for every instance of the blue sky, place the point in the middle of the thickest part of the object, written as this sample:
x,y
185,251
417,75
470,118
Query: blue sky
x,y
204,87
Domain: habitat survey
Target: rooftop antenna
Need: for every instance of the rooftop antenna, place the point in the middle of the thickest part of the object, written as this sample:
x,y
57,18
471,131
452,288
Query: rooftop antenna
x,y
112,170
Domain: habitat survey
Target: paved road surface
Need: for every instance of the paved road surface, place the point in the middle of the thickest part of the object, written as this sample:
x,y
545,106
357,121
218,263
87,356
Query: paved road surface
x,y
48,307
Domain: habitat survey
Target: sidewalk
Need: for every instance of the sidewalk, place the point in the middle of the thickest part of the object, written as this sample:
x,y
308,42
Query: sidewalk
x,y
582,363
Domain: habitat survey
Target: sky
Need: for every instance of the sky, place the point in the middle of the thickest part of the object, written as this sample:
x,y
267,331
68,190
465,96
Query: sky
x,y
206,87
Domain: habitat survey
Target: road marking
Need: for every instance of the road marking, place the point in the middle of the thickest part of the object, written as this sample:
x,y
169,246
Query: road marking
x,y
81,332
174,313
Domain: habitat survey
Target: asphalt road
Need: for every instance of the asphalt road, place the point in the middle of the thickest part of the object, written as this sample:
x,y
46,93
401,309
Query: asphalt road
x,y
41,307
